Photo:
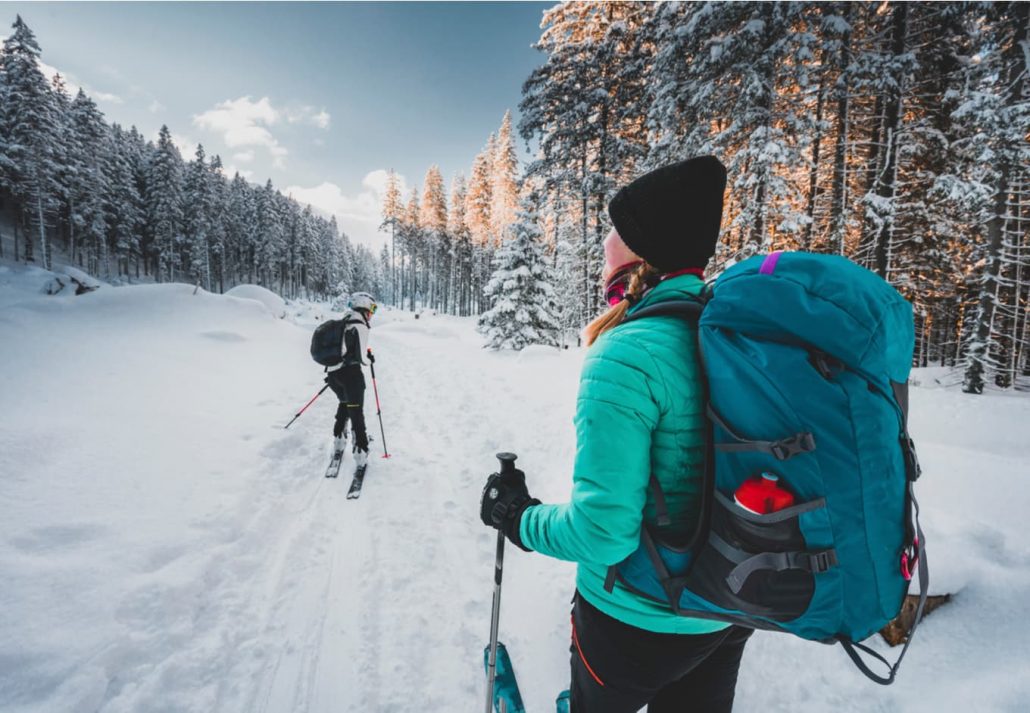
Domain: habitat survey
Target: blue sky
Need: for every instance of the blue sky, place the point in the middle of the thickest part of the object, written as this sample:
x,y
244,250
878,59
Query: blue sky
x,y
320,97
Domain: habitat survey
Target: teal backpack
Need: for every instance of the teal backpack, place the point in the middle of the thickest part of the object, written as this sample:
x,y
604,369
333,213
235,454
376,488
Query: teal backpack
x,y
806,359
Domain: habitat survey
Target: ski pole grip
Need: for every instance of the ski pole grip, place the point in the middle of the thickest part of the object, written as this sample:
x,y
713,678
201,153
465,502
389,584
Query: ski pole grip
x,y
507,463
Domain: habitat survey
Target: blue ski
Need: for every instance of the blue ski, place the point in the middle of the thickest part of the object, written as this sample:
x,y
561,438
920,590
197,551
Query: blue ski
x,y
506,688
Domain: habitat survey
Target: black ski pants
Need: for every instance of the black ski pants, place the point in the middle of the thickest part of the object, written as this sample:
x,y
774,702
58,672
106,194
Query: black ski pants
x,y
618,668
348,383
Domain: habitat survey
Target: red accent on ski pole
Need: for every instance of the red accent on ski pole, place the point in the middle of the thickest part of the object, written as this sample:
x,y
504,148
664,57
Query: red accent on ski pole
x,y
306,406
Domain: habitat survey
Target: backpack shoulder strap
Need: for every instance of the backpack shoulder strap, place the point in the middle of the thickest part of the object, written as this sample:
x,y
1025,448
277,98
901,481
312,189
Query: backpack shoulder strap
x,y
689,310
686,309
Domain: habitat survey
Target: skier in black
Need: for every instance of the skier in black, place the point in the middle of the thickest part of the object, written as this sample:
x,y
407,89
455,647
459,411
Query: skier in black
x,y
346,379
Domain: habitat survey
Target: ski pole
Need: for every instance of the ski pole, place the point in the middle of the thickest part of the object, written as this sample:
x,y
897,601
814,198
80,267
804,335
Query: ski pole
x,y
507,467
306,406
379,411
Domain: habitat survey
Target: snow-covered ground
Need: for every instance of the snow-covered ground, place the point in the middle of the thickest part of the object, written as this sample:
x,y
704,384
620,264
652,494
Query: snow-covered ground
x,y
166,546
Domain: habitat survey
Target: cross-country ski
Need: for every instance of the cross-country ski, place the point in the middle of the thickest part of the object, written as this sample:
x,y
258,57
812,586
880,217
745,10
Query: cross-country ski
x,y
333,468
587,357
354,492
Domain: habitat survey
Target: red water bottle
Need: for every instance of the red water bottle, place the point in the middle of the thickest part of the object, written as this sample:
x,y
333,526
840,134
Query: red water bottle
x,y
763,494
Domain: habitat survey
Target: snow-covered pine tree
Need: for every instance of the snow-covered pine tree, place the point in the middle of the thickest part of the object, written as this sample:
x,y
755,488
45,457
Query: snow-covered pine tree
x,y
270,235
393,209
479,199
197,209
435,243
750,115
504,183
164,205
521,287
365,271
90,186
294,237
240,219
137,154
458,229
31,126
125,205
585,106
65,161
1002,113
411,239
895,73
217,250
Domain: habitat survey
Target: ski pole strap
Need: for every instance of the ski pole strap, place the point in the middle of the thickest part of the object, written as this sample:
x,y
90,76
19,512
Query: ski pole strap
x,y
852,648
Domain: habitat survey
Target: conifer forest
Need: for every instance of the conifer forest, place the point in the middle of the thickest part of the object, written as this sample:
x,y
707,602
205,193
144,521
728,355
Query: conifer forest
x,y
896,134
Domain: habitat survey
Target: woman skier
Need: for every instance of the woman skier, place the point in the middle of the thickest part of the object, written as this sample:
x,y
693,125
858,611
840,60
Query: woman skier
x,y
639,414
346,379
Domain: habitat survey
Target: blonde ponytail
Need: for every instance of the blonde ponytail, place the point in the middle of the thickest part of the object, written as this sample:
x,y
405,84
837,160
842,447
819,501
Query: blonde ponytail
x,y
643,278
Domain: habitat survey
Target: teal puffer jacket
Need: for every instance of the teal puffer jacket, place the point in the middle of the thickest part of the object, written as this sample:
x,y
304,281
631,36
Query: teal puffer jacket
x,y
640,410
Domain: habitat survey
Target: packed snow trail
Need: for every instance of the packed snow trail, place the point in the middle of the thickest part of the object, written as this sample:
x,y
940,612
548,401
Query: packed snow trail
x,y
406,607
166,546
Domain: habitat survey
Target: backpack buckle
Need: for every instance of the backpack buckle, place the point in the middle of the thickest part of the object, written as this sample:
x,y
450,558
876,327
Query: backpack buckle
x,y
821,561
795,445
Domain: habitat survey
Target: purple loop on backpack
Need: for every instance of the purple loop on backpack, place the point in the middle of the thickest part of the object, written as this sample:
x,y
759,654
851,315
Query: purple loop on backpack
x,y
769,264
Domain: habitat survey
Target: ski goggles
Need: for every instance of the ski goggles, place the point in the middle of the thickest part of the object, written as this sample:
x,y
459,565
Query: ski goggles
x,y
618,283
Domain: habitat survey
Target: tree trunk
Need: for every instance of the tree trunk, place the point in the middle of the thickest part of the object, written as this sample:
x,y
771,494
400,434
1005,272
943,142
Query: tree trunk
x,y
976,367
893,121
813,174
837,203
43,247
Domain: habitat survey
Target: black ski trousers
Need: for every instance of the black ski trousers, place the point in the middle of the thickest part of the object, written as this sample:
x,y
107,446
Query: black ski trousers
x,y
348,383
618,668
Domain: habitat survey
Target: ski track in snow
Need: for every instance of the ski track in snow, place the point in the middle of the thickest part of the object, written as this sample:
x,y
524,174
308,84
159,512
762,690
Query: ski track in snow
x,y
395,597
195,559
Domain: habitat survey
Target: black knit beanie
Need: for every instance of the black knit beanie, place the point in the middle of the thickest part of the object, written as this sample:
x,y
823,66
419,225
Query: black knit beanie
x,y
671,216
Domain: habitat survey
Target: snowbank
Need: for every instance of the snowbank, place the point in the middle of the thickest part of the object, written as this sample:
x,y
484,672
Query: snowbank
x,y
273,302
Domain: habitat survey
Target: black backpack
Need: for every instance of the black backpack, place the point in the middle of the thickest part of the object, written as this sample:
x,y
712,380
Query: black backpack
x,y
327,341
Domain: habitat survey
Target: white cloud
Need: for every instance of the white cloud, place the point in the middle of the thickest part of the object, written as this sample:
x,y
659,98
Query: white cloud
x,y
308,115
73,86
358,215
231,170
106,97
243,156
50,72
156,107
186,145
245,122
